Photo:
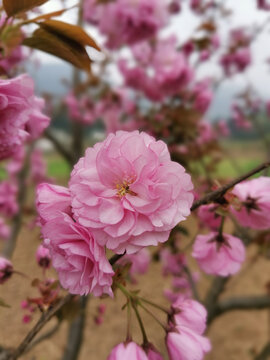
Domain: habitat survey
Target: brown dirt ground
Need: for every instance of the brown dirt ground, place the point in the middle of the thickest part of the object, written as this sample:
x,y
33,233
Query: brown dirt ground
x,y
234,336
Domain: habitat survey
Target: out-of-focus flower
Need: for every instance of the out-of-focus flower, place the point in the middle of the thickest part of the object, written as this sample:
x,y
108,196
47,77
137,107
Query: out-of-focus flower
x,y
6,270
8,201
80,262
43,257
171,263
20,111
129,192
4,230
139,262
208,216
218,254
254,196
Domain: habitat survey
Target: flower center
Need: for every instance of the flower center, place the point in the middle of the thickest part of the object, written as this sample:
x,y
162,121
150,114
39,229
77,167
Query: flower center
x,y
123,189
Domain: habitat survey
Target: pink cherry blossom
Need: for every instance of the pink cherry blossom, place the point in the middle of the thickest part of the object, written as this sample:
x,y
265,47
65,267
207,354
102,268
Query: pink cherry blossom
x,y
20,111
127,22
139,261
8,201
189,313
152,353
43,257
80,262
6,270
51,201
171,263
202,96
220,255
254,196
130,351
208,216
4,230
129,192
185,344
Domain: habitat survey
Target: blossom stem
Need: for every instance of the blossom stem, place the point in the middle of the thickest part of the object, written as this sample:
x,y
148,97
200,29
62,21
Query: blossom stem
x,y
129,337
220,230
154,305
134,305
153,316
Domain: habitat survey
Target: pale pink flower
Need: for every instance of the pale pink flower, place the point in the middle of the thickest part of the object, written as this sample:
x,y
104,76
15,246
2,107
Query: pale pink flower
x,y
80,262
51,201
220,255
20,112
189,313
202,96
4,230
8,198
130,351
185,344
206,133
15,163
208,216
254,196
6,270
43,257
129,192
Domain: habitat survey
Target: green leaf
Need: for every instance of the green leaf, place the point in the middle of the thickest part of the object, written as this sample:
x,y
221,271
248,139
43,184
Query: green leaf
x,y
14,7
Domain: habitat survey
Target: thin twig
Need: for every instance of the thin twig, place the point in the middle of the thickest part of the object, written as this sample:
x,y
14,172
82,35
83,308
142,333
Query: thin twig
x,y
217,194
59,147
192,283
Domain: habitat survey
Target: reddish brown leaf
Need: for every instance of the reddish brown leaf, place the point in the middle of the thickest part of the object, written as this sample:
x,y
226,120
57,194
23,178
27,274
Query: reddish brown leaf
x,y
14,7
72,32
60,46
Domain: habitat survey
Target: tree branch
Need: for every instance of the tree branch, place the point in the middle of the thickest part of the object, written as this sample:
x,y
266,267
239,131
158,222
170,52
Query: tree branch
x,y
192,283
239,303
217,194
59,147
264,354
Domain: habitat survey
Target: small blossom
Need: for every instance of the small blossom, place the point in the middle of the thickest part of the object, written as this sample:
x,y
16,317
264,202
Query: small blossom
x,y
8,201
220,255
43,257
6,270
127,351
208,216
254,196
185,344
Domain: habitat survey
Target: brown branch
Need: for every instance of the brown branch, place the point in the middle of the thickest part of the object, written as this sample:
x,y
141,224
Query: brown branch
x,y
218,194
192,283
59,147
46,316
21,197
239,303
265,353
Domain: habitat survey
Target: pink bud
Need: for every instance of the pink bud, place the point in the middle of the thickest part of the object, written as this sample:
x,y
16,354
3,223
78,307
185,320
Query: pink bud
x,y
6,270
43,257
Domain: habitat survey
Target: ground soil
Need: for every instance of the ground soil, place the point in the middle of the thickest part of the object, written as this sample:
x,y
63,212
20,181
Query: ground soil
x,y
234,336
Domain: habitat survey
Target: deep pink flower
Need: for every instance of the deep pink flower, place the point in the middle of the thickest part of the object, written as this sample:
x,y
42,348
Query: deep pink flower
x,y
51,201
8,201
208,216
220,255
185,344
20,111
254,196
6,270
130,351
80,262
189,313
43,257
129,192
152,353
